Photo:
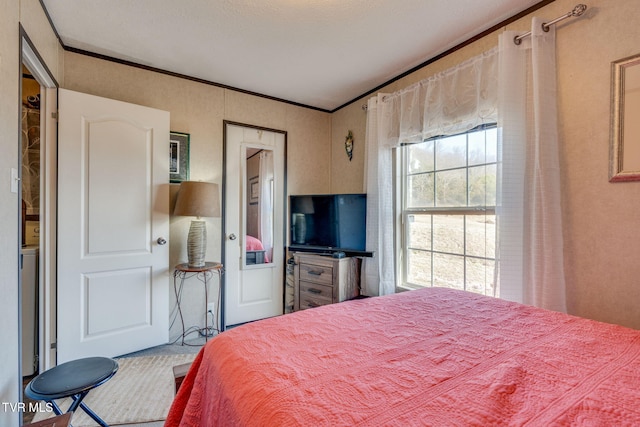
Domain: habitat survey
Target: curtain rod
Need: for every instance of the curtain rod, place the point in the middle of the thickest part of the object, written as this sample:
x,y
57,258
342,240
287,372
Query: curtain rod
x,y
577,11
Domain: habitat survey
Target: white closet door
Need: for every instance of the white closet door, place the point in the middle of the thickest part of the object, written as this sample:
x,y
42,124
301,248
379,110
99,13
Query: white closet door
x,y
113,207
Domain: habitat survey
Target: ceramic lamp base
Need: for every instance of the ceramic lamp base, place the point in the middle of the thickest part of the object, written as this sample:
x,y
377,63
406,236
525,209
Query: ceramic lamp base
x,y
197,243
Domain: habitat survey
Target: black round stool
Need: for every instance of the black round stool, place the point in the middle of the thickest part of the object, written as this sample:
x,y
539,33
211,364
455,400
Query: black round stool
x,y
72,379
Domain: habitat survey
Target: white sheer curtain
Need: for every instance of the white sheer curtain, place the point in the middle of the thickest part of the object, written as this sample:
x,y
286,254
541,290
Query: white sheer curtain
x,y
450,102
529,214
379,271
266,202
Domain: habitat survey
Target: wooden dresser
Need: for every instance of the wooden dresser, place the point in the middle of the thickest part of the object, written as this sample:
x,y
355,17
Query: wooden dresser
x,y
321,280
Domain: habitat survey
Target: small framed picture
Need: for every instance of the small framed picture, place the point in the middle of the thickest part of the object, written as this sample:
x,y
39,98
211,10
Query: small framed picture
x,y
254,190
178,157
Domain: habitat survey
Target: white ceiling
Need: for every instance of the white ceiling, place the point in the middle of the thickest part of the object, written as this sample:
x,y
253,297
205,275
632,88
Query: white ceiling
x,y
319,53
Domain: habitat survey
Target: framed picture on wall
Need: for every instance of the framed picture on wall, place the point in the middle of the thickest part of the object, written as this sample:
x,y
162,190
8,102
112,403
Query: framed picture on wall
x,y
254,190
178,157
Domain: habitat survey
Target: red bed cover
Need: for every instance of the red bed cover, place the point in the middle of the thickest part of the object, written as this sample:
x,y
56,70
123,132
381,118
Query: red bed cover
x,y
428,357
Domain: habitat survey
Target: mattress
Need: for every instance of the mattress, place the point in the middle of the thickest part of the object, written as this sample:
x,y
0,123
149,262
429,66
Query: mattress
x,y
427,357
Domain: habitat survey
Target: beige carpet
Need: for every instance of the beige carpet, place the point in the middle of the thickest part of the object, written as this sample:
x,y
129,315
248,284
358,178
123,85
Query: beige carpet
x,y
141,391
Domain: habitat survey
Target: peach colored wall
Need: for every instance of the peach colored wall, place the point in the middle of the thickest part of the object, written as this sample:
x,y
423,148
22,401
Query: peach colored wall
x,y
602,233
9,130
199,110
601,219
348,176
31,16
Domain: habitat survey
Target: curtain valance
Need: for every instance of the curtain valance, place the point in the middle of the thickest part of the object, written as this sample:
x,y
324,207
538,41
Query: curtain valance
x,y
451,102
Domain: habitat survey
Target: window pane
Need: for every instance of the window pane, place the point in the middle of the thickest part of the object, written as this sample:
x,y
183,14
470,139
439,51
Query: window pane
x,y
477,148
492,145
451,152
443,244
448,271
419,235
480,274
491,184
482,185
483,147
448,233
481,235
420,157
420,191
451,188
419,267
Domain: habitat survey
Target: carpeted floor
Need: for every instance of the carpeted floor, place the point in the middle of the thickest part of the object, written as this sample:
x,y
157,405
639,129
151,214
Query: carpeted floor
x,y
142,390
191,346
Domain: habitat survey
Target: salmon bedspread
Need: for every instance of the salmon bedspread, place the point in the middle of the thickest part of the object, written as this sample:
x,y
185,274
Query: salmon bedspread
x,y
428,357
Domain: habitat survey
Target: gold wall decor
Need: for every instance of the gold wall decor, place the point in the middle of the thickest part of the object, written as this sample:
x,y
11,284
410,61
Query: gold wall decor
x,y
625,120
348,145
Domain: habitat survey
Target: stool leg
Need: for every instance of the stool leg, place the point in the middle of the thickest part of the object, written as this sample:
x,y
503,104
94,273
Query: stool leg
x,y
93,415
77,402
56,408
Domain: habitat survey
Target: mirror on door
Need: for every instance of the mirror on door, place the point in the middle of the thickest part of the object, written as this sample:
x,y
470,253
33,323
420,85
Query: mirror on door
x,y
259,207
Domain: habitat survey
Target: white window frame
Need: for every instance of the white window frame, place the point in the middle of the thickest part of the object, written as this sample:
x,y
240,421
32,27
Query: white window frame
x,y
402,237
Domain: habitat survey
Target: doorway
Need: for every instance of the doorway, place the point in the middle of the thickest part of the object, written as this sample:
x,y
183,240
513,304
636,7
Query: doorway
x,y
253,229
30,218
37,174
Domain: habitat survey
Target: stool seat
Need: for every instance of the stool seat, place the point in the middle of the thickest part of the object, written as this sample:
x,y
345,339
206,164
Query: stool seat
x,y
72,379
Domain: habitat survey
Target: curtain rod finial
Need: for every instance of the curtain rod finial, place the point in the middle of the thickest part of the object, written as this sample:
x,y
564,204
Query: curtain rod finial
x,y
579,10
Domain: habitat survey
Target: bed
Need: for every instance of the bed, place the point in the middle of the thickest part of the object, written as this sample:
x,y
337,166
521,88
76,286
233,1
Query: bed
x,y
256,254
427,357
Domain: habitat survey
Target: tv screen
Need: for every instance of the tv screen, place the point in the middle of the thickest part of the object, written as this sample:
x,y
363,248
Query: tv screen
x,y
328,222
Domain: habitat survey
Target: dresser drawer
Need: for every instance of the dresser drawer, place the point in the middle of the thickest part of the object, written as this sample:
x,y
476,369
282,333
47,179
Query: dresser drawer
x,y
321,280
316,273
307,301
315,290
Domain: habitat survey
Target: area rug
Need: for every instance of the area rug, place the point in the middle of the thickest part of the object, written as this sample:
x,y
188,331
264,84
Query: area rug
x,y
141,391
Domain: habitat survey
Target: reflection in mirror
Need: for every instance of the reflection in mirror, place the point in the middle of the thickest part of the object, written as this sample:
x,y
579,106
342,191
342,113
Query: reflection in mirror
x,y
625,126
259,207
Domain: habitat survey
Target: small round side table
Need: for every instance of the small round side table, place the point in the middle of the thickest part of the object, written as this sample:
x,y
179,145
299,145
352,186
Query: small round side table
x,y
185,271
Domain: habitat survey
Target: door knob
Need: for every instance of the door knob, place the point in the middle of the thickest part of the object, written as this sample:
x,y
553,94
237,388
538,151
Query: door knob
x,y
232,236
161,241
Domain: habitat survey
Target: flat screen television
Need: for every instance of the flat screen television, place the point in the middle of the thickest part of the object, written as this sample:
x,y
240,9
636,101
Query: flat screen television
x,y
328,223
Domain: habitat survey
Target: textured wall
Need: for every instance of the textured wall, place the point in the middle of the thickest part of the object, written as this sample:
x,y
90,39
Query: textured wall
x,y
199,110
9,102
30,15
601,219
602,233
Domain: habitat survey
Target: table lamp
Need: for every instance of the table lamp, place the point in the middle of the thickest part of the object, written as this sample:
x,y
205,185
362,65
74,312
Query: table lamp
x,y
199,199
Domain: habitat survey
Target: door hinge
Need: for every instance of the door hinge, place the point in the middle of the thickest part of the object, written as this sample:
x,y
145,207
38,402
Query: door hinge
x,y
54,115
54,345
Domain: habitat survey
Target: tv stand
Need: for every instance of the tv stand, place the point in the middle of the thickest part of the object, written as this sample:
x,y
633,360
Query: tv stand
x,y
321,280
321,250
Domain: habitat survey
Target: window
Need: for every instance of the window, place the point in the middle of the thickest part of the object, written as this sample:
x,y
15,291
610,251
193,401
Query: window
x,y
448,212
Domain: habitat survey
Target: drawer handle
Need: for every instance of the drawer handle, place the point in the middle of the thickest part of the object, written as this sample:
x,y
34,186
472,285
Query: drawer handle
x,y
312,304
315,272
314,291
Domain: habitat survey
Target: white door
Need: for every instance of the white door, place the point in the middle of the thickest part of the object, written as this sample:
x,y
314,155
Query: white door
x,y
253,223
113,212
